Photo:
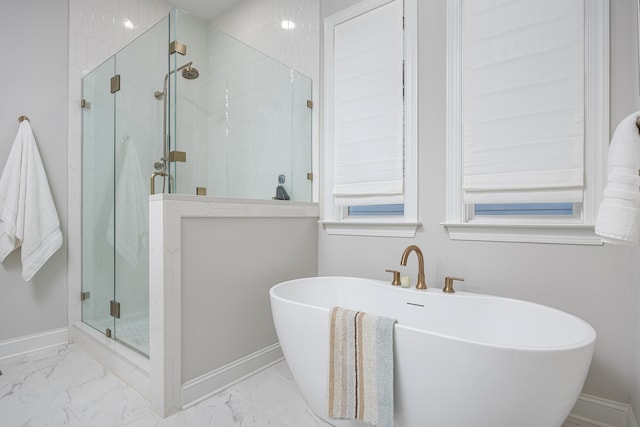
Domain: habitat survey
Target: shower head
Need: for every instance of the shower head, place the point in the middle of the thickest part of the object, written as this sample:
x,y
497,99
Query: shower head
x,y
190,73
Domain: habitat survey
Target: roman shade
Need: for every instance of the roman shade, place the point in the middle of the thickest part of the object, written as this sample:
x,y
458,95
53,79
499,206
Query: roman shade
x,y
524,100
368,132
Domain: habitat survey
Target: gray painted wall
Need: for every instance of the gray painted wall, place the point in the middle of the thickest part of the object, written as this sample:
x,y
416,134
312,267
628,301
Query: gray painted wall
x,y
33,81
594,283
228,267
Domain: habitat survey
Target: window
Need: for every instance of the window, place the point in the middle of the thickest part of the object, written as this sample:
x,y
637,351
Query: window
x,y
527,119
370,161
524,209
376,210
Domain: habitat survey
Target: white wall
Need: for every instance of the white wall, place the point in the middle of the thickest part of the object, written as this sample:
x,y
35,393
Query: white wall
x,y
635,389
594,283
257,23
33,81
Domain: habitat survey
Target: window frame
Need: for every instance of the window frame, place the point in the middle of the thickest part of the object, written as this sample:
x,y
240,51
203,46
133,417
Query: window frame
x,y
576,229
335,218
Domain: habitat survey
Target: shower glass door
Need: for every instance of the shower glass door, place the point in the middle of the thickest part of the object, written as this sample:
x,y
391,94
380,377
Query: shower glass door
x,y
98,197
141,65
122,141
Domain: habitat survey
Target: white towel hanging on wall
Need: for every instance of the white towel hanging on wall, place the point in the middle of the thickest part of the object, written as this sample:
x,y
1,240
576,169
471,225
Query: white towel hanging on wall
x,y
618,219
28,216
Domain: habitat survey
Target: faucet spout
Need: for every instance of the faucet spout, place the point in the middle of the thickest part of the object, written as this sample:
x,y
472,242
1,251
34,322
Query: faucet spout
x,y
403,261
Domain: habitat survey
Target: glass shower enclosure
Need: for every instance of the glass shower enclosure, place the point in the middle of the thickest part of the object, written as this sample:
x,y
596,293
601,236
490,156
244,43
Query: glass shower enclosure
x,y
216,117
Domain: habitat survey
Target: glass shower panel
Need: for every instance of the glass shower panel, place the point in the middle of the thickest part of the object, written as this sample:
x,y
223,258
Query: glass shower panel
x,y
243,122
301,165
169,127
265,124
98,197
189,103
142,66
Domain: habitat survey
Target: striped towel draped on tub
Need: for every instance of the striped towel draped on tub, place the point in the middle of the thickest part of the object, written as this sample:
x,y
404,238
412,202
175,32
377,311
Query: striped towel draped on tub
x,y
360,367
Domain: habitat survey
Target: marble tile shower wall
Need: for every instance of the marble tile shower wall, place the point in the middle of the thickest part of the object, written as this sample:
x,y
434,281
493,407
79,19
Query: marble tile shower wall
x,y
96,32
258,24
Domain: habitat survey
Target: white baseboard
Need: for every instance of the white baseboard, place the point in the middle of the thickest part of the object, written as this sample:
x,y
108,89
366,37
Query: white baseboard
x,y
212,382
129,365
33,342
603,412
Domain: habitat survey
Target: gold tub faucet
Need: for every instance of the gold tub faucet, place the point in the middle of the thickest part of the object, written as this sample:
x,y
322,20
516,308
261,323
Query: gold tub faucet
x,y
403,261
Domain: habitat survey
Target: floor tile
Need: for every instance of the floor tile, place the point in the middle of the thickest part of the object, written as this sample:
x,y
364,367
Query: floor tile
x,y
106,401
64,386
31,401
70,367
278,396
574,422
15,368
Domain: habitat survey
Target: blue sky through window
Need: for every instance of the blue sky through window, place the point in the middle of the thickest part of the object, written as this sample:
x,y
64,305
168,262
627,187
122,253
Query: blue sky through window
x,y
376,210
524,209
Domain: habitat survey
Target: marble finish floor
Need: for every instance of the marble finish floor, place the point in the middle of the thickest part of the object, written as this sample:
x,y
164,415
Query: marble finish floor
x,y
64,386
135,334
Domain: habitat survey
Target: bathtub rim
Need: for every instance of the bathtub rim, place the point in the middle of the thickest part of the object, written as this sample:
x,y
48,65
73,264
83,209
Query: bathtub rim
x,y
588,341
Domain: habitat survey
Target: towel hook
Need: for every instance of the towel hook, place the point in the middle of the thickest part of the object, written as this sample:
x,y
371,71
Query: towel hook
x,y
23,118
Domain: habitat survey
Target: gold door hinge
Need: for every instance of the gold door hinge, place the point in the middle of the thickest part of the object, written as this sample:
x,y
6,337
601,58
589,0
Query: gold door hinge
x,y
310,176
201,191
85,104
177,156
108,333
85,295
114,309
310,104
115,83
177,47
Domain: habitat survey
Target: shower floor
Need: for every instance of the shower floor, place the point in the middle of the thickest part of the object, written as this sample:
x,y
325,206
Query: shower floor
x,y
135,334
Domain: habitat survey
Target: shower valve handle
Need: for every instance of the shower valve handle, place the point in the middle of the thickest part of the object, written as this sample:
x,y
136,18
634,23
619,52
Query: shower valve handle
x,y
152,182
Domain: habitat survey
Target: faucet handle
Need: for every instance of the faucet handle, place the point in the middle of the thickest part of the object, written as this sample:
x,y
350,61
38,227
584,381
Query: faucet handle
x,y
448,284
396,277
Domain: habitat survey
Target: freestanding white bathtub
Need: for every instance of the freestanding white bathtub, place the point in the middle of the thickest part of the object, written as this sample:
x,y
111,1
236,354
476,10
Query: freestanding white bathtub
x,y
461,360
